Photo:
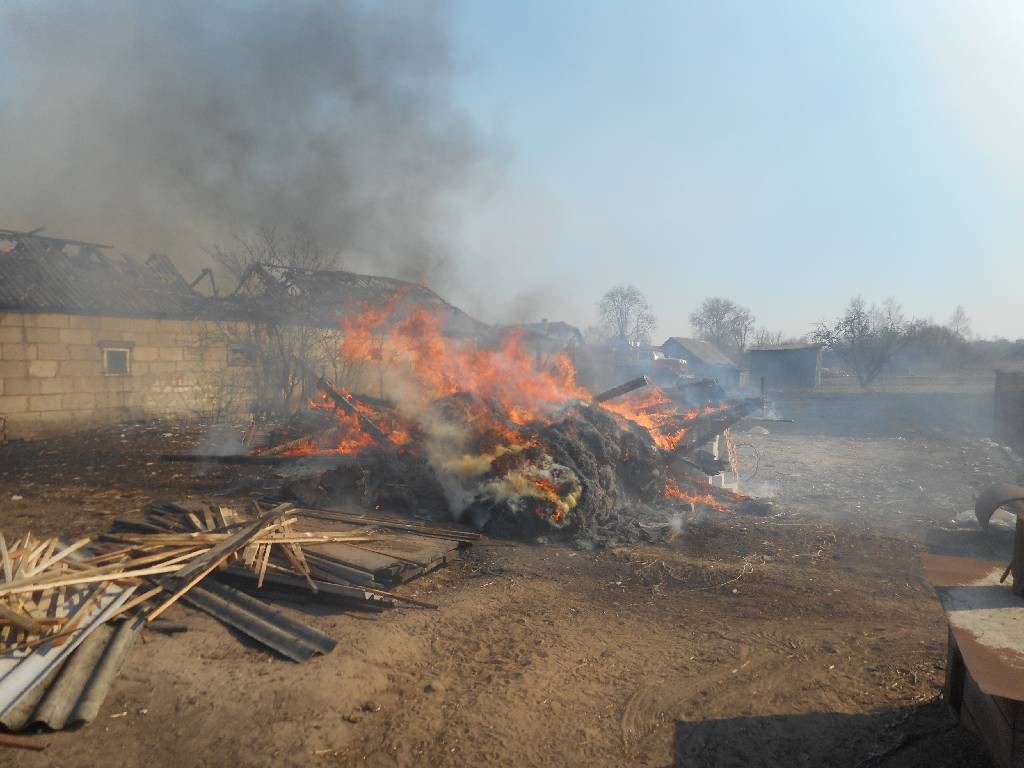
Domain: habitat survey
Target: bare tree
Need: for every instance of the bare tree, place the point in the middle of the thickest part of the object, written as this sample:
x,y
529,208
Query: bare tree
x,y
766,338
279,342
866,338
626,315
959,323
724,323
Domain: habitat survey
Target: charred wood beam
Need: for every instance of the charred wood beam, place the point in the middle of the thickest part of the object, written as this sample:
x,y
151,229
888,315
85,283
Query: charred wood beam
x,y
289,445
346,405
704,428
731,413
622,389
340,401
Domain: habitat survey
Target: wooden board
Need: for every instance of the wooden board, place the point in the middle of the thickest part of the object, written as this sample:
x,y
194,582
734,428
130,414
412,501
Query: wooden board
x,y
383,567
428,552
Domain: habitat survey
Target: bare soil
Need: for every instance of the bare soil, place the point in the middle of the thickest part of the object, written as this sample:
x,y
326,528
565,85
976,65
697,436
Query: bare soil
x,y
809,638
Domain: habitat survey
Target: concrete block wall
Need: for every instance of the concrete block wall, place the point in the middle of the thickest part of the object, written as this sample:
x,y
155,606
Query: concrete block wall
x,y
52,379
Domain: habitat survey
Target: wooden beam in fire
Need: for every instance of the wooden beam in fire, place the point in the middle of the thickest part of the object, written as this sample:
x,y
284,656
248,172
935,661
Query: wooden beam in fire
x,y
622,389
344,404
702,429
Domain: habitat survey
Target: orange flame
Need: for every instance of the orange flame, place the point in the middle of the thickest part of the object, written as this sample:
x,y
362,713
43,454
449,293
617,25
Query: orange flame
x,y
443,366
673,491
434,365
653,410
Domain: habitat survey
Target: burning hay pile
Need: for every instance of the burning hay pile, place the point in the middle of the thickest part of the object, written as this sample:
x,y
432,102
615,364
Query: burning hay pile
x,y
499,438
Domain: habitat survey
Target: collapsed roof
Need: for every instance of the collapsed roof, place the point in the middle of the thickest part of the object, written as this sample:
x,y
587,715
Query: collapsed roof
x,y
44,274
324,298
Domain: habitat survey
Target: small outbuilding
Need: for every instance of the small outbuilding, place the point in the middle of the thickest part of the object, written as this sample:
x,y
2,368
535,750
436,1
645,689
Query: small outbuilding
x,y
704,360
785,366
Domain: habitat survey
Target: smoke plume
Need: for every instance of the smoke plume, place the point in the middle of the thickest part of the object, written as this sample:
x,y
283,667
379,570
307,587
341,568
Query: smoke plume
x,y
173,126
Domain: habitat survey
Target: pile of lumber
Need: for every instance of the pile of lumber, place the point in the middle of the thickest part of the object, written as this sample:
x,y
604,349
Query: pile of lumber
x,y
309,553
54,594
49,589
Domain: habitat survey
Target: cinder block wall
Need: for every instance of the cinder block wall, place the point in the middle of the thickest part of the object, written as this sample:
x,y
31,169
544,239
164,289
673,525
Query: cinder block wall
x,y
52,379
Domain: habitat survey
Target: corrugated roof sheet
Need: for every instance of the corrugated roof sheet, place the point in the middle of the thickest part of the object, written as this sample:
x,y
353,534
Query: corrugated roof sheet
x,y
701,351
37,276
782,347
74,690
325,297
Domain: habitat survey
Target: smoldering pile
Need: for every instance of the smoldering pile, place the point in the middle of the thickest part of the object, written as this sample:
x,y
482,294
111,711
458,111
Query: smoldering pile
x,y
496,436
587,472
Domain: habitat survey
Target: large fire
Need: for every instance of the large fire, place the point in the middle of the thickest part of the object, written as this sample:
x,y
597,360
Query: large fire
x,y
653,410
420,370
441,366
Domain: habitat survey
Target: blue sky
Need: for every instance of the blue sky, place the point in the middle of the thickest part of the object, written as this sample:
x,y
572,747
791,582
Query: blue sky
x,y
786,155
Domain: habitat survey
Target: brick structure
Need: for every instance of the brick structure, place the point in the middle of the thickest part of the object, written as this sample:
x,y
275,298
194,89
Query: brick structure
x,y
53,374
87,337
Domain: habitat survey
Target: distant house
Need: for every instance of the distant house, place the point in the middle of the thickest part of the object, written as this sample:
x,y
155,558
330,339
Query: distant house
x,y
704,360
546,337
785,366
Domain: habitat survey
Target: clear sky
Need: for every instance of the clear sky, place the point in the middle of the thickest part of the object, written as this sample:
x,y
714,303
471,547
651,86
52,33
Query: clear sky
x,y
787,155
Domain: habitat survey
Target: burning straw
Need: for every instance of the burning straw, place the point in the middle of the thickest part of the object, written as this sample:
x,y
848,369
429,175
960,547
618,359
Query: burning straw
x,y
493,436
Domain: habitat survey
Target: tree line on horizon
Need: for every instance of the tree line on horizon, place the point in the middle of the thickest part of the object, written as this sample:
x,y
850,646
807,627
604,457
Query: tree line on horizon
x,y
865,339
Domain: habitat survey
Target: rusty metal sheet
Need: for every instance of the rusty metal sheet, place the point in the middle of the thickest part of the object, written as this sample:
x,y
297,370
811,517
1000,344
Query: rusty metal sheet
x,y
986,619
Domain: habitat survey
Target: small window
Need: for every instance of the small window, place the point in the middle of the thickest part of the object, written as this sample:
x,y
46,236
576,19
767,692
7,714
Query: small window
x,y
241,355
116,361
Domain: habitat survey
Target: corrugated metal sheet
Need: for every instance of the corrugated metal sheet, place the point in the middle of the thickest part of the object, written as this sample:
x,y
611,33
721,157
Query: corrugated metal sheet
x,y
698,350
291,638
325,298
22,672
38,277
782,347
73,692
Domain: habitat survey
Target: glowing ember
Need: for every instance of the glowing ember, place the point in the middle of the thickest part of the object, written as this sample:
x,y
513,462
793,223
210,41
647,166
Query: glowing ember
x,y
673,491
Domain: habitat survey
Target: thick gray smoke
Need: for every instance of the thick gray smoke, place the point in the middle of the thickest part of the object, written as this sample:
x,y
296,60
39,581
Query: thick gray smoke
x,y
173,126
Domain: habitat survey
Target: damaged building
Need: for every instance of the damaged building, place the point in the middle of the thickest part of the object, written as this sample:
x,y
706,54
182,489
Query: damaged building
x,y
89,336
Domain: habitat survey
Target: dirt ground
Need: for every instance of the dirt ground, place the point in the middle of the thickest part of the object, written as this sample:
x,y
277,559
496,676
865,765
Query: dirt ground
x,y
807,638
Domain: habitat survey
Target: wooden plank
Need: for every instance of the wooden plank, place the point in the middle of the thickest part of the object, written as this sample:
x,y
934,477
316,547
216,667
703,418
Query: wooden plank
x,y
237,541
388,521
195,580
380,565
8,574
19,620
54,558
263,565
208,518
21,742
107,576
426,551
329,570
